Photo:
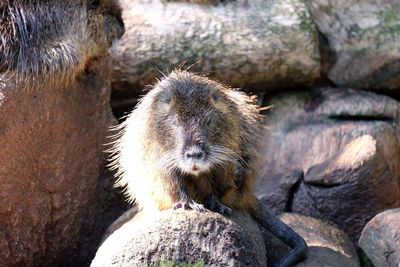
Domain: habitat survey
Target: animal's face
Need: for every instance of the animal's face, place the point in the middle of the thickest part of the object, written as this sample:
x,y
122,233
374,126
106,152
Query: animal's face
x,y
43,37
196,122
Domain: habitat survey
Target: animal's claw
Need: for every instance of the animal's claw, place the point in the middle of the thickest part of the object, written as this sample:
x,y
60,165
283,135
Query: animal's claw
x,y
188,204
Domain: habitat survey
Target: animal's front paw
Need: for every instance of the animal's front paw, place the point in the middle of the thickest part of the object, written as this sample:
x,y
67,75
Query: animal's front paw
x,y
217,206
188,204
224,210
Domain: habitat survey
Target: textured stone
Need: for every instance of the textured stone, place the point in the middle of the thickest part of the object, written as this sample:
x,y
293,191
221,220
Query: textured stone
x,y
380,239
365,38
187,236
327,246
54,119
359,175
182,236
248,45
51,156
308,127
347,144
107,206
276,191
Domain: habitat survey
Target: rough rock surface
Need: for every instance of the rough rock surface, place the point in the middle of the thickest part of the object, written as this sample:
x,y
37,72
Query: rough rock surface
x,y
51,141
327,246
309,127
380,239
182,236
347,144
246,45
359,175
108,205
365,38
276,191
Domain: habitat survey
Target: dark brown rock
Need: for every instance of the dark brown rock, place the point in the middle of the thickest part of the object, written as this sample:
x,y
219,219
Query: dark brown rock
x,y
347,144
351,187
182,236
54,119
276,191
380,239
108,205
275,46
364,38
51,156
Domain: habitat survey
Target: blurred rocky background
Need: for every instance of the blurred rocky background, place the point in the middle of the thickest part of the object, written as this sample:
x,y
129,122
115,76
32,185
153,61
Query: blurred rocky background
x,y
329,70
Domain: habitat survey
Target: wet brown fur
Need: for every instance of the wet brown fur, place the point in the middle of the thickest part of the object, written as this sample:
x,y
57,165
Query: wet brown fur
x,y
235,124
185,111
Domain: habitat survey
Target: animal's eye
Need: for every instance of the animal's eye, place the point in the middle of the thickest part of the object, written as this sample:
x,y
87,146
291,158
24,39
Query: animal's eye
x,y
94,4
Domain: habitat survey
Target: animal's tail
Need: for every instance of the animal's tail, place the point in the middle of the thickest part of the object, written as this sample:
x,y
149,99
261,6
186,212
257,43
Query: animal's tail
x,y
283,232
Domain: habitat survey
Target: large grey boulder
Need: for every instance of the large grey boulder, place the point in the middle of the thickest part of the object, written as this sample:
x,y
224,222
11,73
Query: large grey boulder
x,y
256,44
380,239
347,144
184,236
365,39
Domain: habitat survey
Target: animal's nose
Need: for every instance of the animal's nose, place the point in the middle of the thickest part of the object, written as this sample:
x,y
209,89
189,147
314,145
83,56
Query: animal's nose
x,y
196,154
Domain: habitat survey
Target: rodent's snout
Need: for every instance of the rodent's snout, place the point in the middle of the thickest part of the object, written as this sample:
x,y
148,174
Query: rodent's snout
x,y
194,153
194,160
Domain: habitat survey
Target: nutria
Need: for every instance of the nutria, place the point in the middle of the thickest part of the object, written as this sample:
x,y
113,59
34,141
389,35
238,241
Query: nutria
x,y
192,143
46,39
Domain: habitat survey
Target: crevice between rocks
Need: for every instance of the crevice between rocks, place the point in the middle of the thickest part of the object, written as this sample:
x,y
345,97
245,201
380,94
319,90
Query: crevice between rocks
x,y
292,192
321,185
360,118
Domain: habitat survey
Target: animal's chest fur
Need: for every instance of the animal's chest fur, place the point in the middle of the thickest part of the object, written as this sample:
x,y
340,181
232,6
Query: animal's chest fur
x,y
202,187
